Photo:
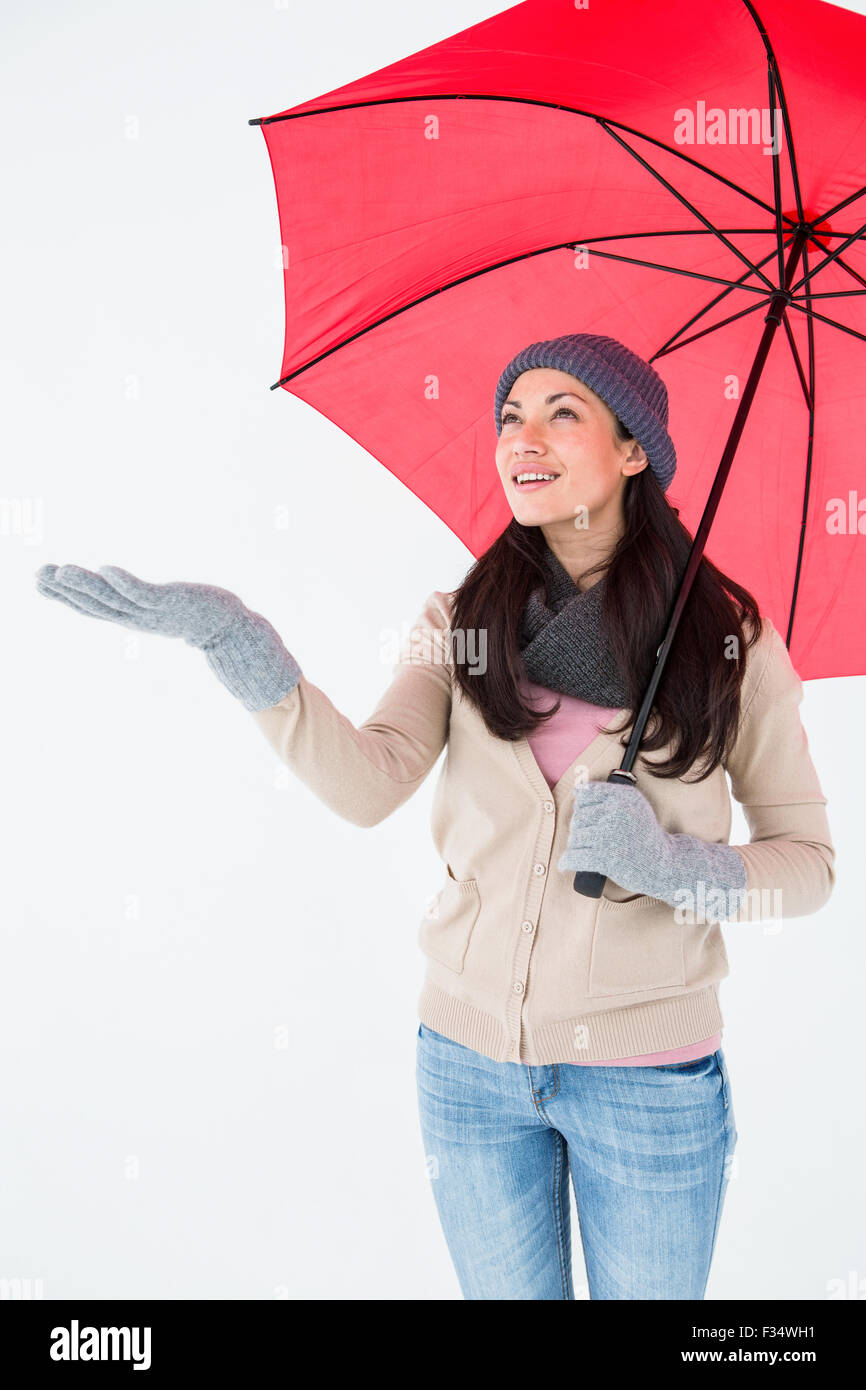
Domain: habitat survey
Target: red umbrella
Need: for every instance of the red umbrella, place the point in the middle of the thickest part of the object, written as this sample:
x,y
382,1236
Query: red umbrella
x,y
689,179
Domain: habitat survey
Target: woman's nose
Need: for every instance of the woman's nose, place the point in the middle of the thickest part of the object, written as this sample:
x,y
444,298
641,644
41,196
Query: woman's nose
x,y
528,446
528,438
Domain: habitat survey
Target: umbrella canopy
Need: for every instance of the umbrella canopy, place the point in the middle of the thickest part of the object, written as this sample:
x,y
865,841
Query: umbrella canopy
x,y
651,172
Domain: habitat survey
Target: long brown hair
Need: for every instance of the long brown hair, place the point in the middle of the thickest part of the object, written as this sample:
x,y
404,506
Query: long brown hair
x,y
697,703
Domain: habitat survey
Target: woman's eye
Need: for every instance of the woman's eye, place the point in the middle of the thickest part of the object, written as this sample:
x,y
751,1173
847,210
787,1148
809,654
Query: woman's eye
x,y
509,414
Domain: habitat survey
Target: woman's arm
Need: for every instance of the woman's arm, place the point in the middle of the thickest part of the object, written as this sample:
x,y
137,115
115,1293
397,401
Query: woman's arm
x,y
790,860
365,773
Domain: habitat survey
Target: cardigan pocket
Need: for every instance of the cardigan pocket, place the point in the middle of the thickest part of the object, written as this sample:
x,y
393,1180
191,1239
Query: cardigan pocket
x,y
637,945
448,921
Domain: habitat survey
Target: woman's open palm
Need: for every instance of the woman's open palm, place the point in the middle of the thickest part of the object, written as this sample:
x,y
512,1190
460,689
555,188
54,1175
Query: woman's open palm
x,y
196,612
241,647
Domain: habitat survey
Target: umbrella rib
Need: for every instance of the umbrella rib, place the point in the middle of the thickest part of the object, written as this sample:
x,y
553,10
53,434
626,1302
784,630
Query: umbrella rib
x,y
855,275
741,313
813,314
499,265
810,327
686,203
817,238
830,294
561,246
852,198
525,101
789,137
675,270
777,182
684,231
797,363
830,256
707,307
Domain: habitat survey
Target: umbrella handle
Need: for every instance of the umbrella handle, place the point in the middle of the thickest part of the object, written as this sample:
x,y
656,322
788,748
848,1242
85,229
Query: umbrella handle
x,y
586,881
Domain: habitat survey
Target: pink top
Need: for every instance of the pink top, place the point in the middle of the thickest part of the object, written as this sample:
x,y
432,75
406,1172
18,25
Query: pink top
x,y
555,746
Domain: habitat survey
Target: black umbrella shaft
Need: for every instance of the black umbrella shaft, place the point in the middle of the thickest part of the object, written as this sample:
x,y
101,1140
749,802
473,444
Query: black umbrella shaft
x,y
591,884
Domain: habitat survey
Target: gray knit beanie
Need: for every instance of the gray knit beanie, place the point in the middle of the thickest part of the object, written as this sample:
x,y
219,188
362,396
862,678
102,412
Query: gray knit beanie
x,y
632,389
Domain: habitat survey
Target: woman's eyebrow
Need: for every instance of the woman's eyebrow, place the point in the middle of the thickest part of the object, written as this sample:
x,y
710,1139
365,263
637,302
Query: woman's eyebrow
x,y
557,395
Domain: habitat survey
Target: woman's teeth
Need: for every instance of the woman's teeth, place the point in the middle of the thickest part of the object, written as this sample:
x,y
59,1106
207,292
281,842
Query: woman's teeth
x,y
534,478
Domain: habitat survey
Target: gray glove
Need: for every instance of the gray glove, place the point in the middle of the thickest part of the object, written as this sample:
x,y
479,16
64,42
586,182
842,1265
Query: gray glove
x,y
241,646
614,831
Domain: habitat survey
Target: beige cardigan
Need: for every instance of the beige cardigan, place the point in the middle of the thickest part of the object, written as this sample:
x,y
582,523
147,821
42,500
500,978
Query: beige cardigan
x,y
520,966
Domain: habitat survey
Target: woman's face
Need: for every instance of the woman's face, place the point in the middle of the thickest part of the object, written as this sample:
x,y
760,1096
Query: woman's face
x,y
553,424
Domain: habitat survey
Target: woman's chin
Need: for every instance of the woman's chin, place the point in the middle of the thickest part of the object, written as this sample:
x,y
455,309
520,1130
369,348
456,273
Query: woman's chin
x,y
541,512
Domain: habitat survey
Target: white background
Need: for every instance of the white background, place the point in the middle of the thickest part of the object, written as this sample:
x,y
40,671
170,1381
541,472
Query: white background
x,y
208,980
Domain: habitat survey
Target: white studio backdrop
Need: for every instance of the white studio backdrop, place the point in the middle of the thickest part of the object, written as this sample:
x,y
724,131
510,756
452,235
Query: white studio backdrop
x,y
208,980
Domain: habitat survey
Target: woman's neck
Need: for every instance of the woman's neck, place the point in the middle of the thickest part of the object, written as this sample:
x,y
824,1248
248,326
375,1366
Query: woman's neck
x,y
579,550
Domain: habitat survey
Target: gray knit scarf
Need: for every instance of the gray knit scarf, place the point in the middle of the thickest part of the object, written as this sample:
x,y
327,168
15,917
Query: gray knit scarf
x,y
564,646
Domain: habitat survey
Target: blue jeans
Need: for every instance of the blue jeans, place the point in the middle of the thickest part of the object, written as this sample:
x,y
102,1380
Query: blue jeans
x,y
648,1149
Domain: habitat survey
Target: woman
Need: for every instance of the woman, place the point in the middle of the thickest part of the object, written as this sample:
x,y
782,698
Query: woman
x,y
559,1033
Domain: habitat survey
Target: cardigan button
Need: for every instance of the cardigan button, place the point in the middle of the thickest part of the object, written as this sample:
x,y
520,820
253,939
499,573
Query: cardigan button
x,y
548,805
538,868
517,987
526,926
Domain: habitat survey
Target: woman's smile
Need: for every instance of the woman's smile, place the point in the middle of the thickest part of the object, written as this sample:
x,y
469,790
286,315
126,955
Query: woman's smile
x,y
527,479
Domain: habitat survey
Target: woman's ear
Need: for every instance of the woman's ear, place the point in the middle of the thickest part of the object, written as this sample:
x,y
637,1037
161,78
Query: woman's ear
x,y
636,459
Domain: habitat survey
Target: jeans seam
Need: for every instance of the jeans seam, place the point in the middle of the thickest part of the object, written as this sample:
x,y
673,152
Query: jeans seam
x,y
721,1071
716,1221
560,1158
723,1175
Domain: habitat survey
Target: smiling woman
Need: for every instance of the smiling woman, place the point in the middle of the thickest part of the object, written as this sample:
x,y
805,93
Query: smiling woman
x,y
591,416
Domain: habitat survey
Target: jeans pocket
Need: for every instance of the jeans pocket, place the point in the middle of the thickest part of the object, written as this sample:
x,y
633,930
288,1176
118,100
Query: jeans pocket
x,y
695,1064
722,1069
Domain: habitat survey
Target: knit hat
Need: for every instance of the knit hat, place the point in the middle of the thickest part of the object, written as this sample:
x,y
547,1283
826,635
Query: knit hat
x,y
632,389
